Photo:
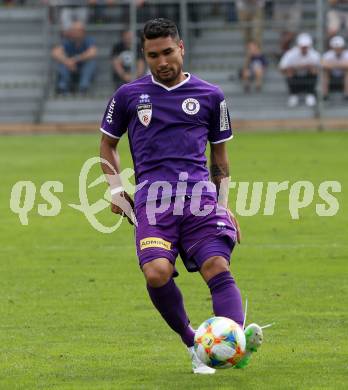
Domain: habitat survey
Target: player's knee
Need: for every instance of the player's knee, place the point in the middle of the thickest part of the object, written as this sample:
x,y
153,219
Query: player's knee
x,y
214,266
157,277
157,273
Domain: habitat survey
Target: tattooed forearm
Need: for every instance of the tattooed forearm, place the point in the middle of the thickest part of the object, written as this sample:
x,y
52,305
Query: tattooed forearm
x,y
218,172
219,165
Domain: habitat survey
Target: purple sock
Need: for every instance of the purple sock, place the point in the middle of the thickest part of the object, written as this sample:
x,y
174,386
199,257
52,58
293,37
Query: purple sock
x,y
169,302
227,301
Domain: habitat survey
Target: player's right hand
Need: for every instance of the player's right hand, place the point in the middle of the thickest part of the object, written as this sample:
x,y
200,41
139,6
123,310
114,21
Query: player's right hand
x,y
115,208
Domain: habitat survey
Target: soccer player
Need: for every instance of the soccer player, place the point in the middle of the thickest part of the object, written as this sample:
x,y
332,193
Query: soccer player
x,y
170,116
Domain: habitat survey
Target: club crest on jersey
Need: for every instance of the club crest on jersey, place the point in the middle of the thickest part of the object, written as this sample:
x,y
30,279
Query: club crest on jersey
x,y
190,106
144,113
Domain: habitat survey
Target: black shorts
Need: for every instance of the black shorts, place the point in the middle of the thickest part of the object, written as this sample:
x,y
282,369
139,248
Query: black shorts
x,y
336,83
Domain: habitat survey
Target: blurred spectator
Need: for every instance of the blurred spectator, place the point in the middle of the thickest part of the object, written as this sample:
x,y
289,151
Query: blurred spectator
x,y
250,13
335,65
123,60
254,67
287,16
67,12
148,10
337,16
98,10
71,14
300,67
76,60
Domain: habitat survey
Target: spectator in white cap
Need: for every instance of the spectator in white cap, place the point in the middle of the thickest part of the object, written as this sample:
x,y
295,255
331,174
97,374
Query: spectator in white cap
x,y
300,66
335,66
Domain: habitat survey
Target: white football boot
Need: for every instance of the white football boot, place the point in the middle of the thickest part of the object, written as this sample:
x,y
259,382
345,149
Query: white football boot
x,y
293,101
199,367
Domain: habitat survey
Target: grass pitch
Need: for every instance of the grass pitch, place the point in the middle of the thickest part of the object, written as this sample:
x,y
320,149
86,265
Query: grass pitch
x,y
74,313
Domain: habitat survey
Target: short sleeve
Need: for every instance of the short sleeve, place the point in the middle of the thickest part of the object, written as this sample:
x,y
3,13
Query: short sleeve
x,y
89,42
115,121
67,47
220,125
285,61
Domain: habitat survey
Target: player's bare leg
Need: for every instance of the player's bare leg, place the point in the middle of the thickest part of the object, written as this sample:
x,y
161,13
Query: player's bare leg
x,y
168,300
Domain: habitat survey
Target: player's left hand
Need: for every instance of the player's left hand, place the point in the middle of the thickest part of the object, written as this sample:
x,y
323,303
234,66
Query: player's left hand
x,y
236,224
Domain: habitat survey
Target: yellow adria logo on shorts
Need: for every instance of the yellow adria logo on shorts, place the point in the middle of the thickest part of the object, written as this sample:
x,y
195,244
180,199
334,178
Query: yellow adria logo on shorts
x,y
155,242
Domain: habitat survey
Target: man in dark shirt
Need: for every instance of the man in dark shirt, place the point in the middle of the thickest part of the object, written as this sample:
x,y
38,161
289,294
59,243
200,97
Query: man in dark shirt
x,y
123,59
76,57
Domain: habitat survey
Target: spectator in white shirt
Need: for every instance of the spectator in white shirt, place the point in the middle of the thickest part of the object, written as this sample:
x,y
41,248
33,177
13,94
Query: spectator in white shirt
x,y
335,66
300,66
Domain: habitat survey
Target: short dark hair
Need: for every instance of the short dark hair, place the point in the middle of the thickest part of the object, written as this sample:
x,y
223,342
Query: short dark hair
x,y
159,28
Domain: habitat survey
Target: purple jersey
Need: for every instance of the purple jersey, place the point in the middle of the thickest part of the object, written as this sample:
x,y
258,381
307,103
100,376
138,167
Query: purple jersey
x,y
168,128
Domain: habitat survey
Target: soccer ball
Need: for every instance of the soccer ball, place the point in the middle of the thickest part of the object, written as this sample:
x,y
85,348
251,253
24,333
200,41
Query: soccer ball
x,y
220,342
